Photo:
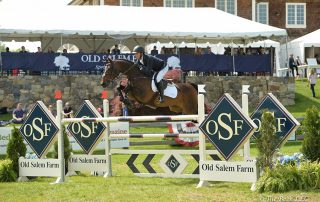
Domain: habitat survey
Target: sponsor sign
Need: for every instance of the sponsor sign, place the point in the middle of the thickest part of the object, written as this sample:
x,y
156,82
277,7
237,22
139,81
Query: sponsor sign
x,y
87,133
115,128
285,124
88,163
39,167
227,127
228,171
5,134
39,129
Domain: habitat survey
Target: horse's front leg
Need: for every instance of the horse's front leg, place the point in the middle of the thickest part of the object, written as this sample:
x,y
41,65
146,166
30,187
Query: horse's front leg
x,y
120,88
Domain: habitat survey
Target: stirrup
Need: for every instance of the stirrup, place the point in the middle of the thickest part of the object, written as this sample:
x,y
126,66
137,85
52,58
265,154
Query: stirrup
x,y
161,99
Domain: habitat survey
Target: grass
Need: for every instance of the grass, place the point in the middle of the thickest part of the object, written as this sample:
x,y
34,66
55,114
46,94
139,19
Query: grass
x,y
124,186
303,98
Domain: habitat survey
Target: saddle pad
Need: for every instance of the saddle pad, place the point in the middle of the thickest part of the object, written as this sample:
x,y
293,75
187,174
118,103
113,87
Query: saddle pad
x,y
170,91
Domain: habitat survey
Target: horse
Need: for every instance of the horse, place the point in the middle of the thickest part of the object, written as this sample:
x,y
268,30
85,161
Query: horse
x,y
139,88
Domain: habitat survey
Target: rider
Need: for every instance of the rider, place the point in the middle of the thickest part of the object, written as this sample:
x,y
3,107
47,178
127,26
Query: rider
x,y
149,64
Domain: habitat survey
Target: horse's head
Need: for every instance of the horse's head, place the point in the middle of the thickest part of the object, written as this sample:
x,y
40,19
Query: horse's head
x,y
115,68
109,74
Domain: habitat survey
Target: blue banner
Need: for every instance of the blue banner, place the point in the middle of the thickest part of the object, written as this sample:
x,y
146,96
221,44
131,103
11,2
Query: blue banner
x,y
96,62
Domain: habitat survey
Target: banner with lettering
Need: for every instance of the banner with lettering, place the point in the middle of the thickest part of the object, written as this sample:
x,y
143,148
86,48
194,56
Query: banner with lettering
x,y
96,62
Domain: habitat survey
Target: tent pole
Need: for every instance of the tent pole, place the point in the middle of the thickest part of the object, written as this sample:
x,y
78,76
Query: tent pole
x,y
288,71
233,60
1,73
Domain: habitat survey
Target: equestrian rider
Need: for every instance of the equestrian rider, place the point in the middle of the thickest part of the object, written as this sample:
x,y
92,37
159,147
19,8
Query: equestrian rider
x,y
149,65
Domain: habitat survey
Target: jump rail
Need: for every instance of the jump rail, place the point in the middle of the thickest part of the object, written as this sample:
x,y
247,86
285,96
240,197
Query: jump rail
x,y
163,135
133,119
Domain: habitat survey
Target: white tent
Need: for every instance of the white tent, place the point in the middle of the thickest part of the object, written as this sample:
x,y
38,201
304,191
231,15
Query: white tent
x,y
97,26
305,47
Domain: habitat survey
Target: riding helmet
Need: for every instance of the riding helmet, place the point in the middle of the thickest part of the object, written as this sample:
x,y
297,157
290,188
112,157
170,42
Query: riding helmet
x,y
138,49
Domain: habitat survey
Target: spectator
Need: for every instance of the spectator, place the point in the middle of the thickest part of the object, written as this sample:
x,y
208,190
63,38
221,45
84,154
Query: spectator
x,y
249,51
260,51
163,50
7,49
292,65
50,50
116,50
64,51
241,51
100,111
154,51
227,51
23,50
67,111
50,108
108,51
81,50
312,78
18,114
298,61
208,50
39,50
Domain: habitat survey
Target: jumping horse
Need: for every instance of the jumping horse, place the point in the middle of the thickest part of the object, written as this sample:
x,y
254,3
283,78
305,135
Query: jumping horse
x,y
139,88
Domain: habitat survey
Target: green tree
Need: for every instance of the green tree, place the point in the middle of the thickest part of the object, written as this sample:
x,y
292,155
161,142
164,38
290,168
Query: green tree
x,y
311,130
16,148
268,141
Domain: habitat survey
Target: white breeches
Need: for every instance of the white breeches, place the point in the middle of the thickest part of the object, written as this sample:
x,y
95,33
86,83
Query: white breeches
x,y
162,73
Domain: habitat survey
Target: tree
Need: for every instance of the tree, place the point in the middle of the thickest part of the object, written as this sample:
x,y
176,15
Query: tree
x,y
16,148
311,130
268,141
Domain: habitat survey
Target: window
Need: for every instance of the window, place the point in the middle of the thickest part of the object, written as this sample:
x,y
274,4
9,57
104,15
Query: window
x,y
296,15
228,6
179,3
262,13
131,3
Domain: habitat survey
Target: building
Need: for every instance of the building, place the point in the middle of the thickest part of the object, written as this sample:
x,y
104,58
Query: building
x,y
298,17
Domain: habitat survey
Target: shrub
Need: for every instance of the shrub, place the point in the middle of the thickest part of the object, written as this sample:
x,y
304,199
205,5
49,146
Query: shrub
x,y
67,148
310,172
311,129
16,148
280,178
6,171
267,142
290,177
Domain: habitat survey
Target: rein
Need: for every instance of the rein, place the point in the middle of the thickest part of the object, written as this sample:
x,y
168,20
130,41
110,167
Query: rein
x,y
129,69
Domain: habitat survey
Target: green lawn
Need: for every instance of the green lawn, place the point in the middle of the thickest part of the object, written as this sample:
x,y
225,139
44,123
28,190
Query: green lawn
x,y
303,98
124,186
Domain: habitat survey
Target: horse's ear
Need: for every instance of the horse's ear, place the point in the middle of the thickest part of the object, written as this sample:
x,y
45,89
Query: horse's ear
x,y
110,61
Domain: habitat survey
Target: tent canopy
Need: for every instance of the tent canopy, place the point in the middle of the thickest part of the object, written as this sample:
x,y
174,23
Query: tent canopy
x,y
305,47
309,40
142,24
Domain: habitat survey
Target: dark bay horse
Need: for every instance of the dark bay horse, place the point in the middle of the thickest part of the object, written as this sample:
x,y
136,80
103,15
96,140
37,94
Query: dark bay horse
x,y
186,101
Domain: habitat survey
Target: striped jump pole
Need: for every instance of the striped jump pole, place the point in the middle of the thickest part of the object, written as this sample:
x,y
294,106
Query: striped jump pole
x,y
133,119
148,135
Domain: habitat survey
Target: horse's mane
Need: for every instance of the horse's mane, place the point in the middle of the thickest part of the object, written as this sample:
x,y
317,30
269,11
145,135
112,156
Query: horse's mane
x,y
125,60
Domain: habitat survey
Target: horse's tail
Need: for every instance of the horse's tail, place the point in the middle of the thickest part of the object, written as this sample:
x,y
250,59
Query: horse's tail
x,y
194,85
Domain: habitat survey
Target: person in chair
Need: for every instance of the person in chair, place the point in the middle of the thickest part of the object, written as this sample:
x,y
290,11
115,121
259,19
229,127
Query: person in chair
x,y
149,65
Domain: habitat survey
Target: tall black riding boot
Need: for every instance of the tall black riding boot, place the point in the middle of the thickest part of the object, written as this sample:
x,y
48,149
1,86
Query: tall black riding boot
x,y
160,89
